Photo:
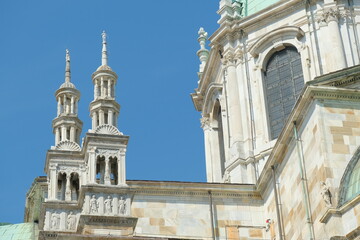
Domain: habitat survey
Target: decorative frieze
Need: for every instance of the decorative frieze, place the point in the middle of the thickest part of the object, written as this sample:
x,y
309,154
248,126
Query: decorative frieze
x,y
109,205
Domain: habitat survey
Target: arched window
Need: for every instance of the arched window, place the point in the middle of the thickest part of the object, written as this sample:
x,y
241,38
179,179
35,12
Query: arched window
x,y
350,182
283,82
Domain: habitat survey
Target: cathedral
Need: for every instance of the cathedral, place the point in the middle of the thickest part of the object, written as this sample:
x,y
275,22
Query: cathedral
x,y
278,90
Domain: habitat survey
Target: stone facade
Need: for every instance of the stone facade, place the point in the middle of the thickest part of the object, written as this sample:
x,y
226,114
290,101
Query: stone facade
x,y
279,96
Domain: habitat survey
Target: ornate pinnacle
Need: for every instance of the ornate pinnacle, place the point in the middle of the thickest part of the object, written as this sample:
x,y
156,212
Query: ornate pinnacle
x,y
203,53
67,66
104,58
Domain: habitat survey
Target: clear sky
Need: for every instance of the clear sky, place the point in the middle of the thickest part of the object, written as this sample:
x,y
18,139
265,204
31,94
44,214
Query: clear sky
x,y
152,47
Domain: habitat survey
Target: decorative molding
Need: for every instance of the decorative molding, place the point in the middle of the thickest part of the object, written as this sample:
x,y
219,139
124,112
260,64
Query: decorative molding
x,y
108,129
107,153
275,38
68,146
253,195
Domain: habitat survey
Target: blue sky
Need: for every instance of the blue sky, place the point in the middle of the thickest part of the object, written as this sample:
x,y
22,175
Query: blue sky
x,y
152,46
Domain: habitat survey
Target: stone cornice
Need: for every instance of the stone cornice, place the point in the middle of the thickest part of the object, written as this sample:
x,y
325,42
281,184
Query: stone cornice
x,y
162,188
339,211
274,11
339,78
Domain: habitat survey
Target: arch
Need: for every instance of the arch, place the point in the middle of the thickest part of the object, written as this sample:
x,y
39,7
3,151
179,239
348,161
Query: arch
x,y
276,39
213,92
61,186
114,176
100,169
74,185
350,182
283,82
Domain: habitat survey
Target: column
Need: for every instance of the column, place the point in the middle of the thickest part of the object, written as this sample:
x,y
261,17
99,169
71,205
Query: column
x,y
92,166
72,134
115,119
94,120
68,189
235,127
63,133
333,48
110,117
107,179
109,88
76,106
101,117
53,182
205,124
113,89
65,108
102,92
335,35
121,167
59,106
72,105
96,89
57,136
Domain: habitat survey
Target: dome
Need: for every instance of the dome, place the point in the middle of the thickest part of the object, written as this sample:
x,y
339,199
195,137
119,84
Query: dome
x,y
104,67
67,85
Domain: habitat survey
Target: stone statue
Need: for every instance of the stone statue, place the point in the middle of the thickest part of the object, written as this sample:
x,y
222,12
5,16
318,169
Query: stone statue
x,y
108,205
325,193
55,218
93,205
122,206
71,219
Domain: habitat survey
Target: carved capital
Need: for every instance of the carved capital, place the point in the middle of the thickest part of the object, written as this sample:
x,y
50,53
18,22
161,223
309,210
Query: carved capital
x,y
205,123
231,58
328,15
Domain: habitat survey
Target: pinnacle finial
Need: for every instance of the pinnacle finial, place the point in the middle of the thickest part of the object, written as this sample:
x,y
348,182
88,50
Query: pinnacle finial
x,y
104,58
203,53
67,66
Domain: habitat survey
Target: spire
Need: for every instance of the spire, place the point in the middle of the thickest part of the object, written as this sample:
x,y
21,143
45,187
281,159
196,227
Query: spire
x,y
104,57
67,67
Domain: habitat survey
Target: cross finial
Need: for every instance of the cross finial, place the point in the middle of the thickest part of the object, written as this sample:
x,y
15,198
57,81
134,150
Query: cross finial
x,y
67,66
104,51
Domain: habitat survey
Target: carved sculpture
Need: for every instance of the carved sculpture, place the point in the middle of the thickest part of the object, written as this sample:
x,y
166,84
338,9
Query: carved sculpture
x,y
122,206
55,219
108,205
71,219
93,205
325,193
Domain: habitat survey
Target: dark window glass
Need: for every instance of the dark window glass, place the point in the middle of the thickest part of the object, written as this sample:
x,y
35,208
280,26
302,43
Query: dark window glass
x,y
283,83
